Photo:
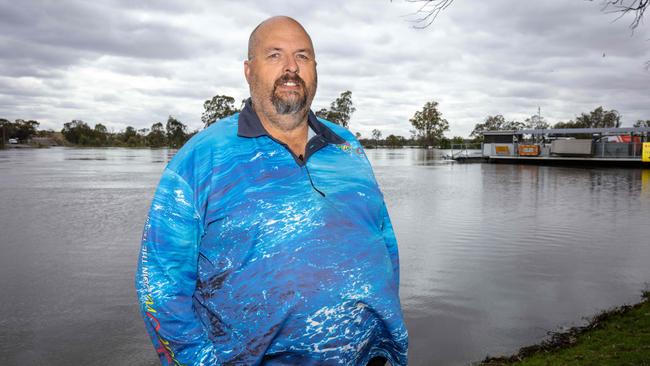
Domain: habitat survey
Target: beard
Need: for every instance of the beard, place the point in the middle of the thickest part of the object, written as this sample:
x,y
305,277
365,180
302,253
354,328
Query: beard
x,y
290,104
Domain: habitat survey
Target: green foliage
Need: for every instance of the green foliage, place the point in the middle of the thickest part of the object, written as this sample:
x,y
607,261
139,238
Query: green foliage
x,y
157,136
100,134
19,129
78,132
220,106
598,118
642,123
340,110
495,123
376,134
176,135
428,124
569,124
130,137
393,141
536,122
617,337
457,140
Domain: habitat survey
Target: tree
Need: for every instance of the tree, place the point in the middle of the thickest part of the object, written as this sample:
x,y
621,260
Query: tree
x,y
599,118
24,130
220,106
491,123
100,134
569,124
376,135
157,137
128,133
100,128
624,7
340,110
642,123
77,132
457,140
536,122
5,130
175,133
495,123
130,137
428,124
429,10
395,141
322,113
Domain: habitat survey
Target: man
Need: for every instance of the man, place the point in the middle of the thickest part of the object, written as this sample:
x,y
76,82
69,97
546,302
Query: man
x,y
268,241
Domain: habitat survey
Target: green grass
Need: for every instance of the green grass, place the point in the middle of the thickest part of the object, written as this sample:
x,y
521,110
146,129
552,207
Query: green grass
x,y
619,336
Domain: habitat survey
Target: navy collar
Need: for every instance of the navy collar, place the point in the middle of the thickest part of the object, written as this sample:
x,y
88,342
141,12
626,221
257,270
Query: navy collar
x,y
249,125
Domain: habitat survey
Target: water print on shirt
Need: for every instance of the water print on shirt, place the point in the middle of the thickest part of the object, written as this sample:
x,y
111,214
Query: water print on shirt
x,y
292,264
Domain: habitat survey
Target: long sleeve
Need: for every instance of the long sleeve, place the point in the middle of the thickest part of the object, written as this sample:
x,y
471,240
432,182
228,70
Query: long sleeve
x,y
390,240
167,272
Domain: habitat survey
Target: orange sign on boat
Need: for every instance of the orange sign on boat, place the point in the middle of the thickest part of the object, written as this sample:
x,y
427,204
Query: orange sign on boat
x,y
528,150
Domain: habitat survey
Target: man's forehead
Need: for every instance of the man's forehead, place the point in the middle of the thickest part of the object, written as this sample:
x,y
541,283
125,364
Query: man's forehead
x,y
280,32
284,40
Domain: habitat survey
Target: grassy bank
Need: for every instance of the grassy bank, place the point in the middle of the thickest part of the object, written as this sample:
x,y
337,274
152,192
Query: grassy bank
x,y
619,336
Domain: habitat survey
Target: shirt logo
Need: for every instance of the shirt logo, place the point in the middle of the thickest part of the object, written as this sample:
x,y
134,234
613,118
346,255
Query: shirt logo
x,y
348,148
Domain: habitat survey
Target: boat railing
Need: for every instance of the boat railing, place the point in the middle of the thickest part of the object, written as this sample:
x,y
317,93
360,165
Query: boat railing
x,y
601,149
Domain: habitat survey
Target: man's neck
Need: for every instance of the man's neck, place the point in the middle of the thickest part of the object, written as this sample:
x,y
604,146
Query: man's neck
x,y
291,129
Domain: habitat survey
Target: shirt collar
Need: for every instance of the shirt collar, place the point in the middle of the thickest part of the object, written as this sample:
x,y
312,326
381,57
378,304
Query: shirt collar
x,y
249,125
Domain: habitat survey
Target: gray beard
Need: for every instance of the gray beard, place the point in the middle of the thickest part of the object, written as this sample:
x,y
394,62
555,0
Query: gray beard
x,y
285,107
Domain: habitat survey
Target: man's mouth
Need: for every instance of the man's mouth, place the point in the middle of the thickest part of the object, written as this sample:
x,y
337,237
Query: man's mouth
x,y
290,82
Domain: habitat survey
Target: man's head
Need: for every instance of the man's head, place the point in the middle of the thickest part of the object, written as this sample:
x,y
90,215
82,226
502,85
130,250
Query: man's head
x,y
281,69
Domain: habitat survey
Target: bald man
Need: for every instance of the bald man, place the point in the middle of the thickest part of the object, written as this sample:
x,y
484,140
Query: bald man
x,y
268,241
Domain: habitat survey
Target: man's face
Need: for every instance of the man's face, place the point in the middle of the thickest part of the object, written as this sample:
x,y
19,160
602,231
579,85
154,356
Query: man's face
x,y
282,71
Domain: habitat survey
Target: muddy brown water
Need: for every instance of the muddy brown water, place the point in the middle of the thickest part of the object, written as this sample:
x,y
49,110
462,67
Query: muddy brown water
x,y
492,256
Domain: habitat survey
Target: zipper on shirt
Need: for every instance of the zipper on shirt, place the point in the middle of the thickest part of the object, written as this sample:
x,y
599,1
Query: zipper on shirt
x,y
301,160
312,182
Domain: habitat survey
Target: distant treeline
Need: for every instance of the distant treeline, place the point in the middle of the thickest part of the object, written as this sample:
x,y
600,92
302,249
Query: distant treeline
x,y
396,141
598,118
428,127
173,134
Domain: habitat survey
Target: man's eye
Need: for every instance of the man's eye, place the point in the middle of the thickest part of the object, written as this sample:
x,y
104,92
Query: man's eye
x,y
274,55
302,56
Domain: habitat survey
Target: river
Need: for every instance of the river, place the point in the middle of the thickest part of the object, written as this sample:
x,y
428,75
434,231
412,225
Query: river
x,y
492,256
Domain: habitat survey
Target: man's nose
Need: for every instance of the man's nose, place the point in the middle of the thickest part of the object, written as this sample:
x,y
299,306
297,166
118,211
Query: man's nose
x,y
290,64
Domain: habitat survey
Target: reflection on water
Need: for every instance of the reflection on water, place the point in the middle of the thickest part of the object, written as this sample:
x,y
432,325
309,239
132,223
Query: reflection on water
x,y
645,183
409,157
492,256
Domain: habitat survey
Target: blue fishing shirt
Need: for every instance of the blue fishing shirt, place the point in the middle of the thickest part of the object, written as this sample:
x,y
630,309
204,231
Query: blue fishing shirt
x,y
253,256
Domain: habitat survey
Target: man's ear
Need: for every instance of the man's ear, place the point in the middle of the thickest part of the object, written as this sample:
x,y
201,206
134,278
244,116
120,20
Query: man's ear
x,y
247,71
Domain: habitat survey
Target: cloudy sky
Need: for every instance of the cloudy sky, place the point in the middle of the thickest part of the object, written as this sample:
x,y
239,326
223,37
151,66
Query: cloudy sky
x,y
125,62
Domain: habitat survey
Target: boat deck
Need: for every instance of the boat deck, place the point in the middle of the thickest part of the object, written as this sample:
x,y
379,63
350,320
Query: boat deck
x,y
566,159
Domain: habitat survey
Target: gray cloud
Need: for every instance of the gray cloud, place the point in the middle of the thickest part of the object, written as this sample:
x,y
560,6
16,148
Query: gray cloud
x,y
133,63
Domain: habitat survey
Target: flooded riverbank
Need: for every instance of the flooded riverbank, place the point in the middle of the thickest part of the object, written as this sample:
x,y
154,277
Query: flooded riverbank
x,y
492,256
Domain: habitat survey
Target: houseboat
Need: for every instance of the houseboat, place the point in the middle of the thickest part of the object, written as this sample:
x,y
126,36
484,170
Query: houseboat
x,y
617,146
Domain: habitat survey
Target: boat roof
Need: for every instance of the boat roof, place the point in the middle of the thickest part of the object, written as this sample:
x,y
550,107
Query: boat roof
x,y
573,131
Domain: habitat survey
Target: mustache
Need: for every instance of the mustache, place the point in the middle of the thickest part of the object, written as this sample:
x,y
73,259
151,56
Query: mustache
x,y
289,78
